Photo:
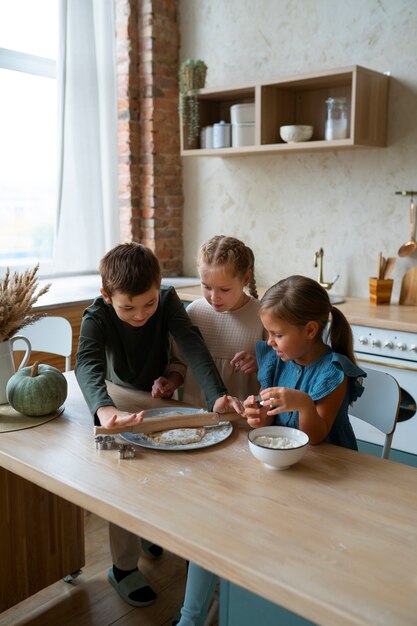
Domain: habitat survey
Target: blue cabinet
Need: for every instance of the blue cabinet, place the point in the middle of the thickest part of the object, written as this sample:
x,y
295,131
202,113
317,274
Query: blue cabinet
x,y
239,607
396,455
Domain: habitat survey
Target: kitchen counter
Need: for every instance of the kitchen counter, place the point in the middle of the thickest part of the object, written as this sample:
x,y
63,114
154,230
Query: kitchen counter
x,y
357,310
334,538
81,290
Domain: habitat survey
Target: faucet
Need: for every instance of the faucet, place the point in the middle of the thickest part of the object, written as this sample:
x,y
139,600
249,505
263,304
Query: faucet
x,y
318,262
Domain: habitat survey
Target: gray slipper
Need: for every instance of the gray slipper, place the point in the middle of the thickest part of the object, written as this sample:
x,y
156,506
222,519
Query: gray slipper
x,y
132,582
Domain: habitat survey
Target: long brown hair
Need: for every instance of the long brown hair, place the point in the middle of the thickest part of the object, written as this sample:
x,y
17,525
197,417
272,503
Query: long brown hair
x,y
298,300
233,253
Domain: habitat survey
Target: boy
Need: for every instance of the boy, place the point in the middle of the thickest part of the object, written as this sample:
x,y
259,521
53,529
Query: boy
x,y
125,337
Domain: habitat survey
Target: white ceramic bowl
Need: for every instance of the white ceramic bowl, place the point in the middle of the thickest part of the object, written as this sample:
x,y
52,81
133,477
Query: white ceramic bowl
x,y
277,458
289,134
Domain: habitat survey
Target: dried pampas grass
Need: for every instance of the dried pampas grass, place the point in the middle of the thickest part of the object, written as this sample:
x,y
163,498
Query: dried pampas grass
x,y
17,296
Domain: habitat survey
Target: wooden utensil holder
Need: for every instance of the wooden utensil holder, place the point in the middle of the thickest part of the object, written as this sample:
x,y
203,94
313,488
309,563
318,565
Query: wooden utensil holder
x,y
380,290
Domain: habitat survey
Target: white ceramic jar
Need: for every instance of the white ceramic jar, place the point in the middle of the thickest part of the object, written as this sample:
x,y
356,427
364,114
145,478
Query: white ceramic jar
x,y
221,135
202,138
209,137
243,135
242,113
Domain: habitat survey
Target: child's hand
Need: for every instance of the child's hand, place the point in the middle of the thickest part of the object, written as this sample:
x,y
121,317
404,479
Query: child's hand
x,y
226,404
282,400
162,388
257,416
110,417
244,362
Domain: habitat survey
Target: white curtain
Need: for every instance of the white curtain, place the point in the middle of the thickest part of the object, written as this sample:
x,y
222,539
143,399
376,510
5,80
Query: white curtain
x,y
87,224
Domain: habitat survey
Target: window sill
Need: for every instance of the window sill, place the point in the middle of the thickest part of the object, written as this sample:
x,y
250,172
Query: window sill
x,y
75,290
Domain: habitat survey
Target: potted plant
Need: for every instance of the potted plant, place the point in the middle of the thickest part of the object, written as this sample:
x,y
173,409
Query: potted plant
x,y
192,77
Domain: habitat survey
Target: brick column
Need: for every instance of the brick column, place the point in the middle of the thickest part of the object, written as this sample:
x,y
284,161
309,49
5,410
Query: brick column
x,y
150,172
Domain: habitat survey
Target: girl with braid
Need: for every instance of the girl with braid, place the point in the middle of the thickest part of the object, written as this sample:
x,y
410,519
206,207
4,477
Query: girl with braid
x,y
228,319
227,316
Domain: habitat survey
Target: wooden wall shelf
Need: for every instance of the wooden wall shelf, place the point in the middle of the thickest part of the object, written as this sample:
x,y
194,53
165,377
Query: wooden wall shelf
x,y
301,100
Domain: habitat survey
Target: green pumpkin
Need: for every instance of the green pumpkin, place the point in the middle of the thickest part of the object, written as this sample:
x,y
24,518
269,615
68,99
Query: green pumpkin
x,y
37,390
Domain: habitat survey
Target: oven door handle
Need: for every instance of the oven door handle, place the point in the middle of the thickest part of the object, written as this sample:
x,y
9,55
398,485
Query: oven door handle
x,y
386,365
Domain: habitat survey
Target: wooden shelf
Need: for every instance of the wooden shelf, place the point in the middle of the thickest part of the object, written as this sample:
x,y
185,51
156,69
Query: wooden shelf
x,y
301,100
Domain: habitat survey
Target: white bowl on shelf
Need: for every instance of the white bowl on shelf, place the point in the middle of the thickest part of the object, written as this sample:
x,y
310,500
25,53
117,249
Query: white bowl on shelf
x,y
261,439
295,133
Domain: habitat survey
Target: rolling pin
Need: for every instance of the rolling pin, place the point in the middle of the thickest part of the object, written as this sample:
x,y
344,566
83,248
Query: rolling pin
x,y
169,422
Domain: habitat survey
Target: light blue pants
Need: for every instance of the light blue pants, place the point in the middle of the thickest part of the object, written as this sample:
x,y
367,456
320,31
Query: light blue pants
x,y
198,593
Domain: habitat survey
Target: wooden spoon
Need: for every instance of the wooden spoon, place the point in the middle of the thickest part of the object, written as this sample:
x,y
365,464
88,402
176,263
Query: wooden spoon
x,y
410,246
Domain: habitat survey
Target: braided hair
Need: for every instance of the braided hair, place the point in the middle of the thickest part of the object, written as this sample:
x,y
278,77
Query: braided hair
x,y
232,253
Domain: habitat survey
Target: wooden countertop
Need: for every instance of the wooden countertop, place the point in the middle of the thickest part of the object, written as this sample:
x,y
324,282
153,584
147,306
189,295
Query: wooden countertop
x,y
357,310
334,538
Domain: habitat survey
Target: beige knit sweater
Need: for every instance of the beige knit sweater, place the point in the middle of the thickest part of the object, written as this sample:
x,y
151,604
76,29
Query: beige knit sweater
x,y
226,334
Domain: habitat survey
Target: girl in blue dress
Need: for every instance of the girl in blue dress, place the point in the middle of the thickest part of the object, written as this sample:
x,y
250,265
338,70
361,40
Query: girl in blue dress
x,y
306,382
308,378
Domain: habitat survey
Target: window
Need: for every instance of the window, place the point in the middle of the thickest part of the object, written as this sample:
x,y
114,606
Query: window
x,y
58,135
28,131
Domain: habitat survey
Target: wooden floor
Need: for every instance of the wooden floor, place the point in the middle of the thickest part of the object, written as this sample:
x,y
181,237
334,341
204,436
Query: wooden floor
x,y
91,601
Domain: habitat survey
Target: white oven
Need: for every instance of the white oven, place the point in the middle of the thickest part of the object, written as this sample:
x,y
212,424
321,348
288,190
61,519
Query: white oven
x,y
394,352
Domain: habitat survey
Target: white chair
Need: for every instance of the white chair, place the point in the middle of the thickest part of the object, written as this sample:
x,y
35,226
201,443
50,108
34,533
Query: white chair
x,y
49,334
379,404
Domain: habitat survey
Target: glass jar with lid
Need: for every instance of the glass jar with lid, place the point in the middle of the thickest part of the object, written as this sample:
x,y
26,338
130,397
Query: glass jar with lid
x,y
337,119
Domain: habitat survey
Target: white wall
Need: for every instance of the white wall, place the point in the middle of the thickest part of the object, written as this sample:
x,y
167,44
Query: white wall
x,y
288,206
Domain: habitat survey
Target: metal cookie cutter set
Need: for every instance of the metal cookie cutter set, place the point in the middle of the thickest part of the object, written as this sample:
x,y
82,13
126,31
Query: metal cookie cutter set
x,y
104,442
108,442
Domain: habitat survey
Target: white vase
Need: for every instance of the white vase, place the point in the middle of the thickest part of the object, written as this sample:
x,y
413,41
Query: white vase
x,y
7,368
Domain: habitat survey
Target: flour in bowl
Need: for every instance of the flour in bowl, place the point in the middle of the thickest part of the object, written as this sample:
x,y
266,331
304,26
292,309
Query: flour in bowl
x,y
276,442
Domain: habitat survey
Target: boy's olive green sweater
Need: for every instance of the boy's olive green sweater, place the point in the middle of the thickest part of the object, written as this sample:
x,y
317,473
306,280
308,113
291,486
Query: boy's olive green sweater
x,y
134,357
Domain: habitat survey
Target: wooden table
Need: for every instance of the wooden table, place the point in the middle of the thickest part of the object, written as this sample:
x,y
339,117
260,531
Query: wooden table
x,y
334,538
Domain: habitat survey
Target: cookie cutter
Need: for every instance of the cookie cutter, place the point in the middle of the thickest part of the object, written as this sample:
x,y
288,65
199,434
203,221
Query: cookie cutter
x,y
99,442
261,403
126,451
109,442
104,442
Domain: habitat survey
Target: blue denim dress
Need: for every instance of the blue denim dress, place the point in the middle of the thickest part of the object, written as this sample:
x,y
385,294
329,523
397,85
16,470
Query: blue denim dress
x,y
318,379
